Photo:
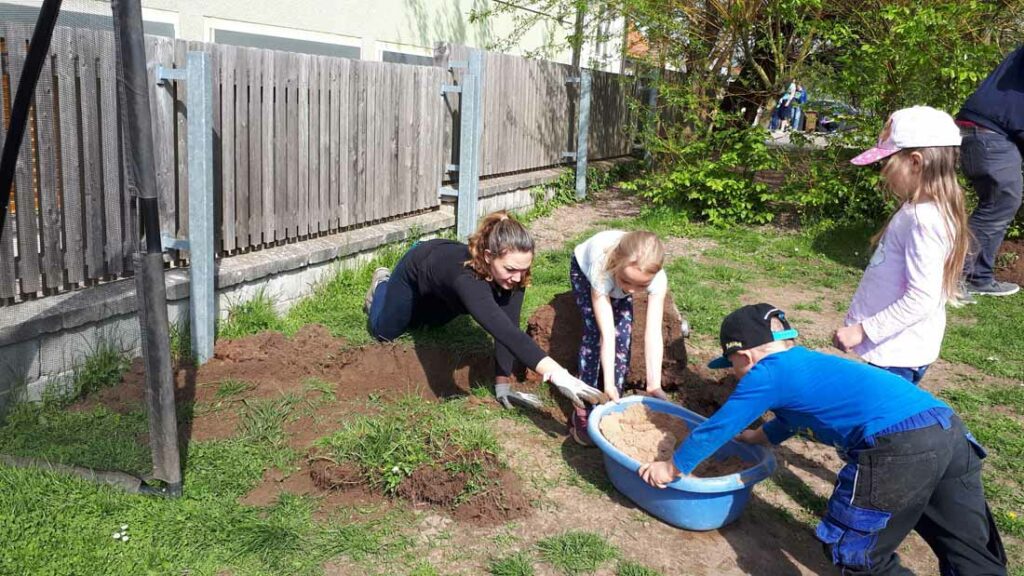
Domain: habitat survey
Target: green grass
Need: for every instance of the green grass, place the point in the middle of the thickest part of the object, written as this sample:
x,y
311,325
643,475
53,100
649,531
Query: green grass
x,y
232,387
98,438
404,435
635,569
204,532
250,317
576,552
995,415
986,335
517,564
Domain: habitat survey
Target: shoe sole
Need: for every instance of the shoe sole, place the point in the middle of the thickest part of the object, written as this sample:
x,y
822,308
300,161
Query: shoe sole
x,y
368,299
996,294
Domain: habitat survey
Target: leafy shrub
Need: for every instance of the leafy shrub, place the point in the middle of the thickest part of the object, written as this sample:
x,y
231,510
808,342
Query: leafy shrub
x,y
713,178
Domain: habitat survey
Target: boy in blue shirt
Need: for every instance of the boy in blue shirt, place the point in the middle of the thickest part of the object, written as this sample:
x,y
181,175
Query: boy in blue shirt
x,y
911,464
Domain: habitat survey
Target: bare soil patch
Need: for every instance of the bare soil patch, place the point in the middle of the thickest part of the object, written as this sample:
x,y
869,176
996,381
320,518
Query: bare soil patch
x,y
1010,262
567,222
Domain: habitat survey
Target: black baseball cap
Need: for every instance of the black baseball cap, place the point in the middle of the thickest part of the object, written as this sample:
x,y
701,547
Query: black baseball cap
x,y
749,327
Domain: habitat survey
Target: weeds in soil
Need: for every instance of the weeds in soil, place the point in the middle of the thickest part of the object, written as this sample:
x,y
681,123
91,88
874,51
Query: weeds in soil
x,y
232,387
411,432
262,424
102,368
181,343
576,552
634,569
517,564
250,317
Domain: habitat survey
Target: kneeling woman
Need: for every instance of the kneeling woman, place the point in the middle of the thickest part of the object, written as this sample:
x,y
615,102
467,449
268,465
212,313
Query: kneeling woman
x,y
437,280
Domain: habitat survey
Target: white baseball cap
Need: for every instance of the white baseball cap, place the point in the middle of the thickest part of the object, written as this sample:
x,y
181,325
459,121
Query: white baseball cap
x,y
915,127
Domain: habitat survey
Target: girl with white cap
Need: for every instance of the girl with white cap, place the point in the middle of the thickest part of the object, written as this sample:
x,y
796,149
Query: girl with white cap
x,y
898,315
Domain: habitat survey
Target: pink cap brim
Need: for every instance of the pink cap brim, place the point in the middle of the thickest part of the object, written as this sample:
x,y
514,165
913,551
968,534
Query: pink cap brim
x,y
873,155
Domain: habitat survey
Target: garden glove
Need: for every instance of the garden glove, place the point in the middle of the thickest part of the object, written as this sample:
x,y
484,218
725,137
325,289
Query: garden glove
x,y
507,397
573,388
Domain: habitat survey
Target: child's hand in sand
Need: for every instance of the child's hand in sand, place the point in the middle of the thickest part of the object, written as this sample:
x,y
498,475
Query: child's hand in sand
x,y
659,474
612,394
753,437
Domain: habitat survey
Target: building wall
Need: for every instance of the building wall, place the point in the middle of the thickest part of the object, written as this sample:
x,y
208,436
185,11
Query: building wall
x,y
373,27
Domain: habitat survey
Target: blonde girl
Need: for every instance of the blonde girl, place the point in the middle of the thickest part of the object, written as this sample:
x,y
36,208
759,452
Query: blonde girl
x,y
605,272
898,315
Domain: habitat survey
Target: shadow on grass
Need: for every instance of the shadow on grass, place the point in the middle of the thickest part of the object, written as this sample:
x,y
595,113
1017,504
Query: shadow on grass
x,y
846,244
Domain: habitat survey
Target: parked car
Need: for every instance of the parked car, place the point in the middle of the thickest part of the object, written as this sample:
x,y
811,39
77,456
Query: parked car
x,y
831,116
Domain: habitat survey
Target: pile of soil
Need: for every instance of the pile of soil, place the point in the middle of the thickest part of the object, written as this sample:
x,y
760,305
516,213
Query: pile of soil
x,y
558,328
648,435
1010,262
439,485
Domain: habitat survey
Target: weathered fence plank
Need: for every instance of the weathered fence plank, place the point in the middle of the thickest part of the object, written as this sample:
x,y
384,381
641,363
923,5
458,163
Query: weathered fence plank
x,y
229,55
242,190
27,223
49,207
161,104
112,174
255,160
302,130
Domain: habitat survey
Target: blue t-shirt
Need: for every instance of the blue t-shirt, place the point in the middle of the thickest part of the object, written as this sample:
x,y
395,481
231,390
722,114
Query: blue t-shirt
x,y
827,398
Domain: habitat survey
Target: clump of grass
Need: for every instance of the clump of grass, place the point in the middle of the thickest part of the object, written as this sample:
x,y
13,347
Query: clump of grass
x,y
518,564
576,552
409,433
251,317
181,343
103,368
325,391
633,569
232,387
262,423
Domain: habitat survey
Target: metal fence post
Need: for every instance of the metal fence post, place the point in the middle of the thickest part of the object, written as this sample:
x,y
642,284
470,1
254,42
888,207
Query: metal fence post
x,y
470,132
581,135
202,295
202,267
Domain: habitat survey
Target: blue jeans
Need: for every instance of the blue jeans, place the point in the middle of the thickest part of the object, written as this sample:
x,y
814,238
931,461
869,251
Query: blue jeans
x,y
992,163
912,375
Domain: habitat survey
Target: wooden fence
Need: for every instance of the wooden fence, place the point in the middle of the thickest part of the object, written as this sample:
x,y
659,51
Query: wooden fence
x,y
529,113
303,145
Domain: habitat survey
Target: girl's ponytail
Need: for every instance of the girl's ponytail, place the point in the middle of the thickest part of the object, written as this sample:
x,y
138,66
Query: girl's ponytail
x,y
498,233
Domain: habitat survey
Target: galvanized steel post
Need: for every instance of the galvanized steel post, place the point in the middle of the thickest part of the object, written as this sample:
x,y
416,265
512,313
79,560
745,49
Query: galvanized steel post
x,y
470,132
581,135
202,290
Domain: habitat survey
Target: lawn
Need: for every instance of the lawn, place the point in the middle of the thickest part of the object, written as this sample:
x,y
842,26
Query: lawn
x,y
55,524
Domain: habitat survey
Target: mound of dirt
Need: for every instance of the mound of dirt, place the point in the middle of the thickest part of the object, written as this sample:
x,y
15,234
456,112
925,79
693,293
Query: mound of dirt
x,y
558,328
443,484
1010,262
648,435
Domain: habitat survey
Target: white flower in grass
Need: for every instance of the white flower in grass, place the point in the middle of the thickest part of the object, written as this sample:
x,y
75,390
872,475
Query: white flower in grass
x,y
394,470
124,527
124,538
116,535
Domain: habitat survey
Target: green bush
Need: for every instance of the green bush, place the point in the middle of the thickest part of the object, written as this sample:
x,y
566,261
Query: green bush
x,y
713,178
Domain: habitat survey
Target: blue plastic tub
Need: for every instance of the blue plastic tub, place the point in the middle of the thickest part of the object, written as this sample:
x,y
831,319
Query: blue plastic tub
x,y
689,502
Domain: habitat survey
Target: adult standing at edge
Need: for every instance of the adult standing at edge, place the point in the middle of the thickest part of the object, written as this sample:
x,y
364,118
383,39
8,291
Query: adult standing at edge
x,y
992,125
438,280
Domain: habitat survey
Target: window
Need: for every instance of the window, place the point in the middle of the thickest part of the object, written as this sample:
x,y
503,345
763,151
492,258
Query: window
x,y
402,58
268,37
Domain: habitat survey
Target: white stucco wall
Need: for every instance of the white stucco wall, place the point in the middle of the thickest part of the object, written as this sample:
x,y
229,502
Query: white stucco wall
x,y
411,26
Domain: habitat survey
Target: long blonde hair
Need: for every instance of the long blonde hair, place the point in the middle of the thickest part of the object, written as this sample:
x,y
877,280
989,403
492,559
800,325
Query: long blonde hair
x,y
937,182
639,248
500,234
